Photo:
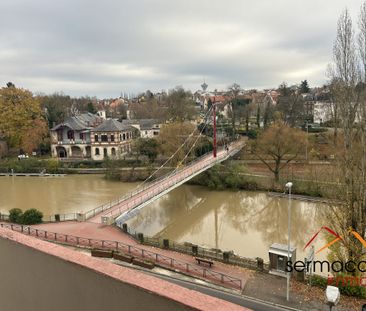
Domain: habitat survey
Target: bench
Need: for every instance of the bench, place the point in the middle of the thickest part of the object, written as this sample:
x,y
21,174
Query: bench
x,y
199,260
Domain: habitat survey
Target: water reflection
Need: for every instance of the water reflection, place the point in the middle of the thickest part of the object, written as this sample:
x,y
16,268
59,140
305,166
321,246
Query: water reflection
x,y
246,222
67,194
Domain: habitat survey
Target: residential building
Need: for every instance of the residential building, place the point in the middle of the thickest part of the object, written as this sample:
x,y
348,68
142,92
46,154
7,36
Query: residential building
x,y
148,128
111,139
71,138
90,136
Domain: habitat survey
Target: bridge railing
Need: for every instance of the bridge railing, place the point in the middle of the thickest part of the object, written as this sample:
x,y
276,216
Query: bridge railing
x,y
103,207
196,250
163,181
159,259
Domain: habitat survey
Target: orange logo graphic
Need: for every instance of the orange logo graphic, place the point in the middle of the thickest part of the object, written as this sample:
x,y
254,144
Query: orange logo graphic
x,y
336,239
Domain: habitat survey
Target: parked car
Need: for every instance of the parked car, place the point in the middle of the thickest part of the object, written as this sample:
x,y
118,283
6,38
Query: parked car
x,y
23,156
313,128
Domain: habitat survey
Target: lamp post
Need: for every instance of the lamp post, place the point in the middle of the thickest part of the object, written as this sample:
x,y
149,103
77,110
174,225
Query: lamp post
x,y
288,186
214,131
307,139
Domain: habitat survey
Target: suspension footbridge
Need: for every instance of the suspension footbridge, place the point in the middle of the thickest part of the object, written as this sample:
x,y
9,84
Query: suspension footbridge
x,y
126,207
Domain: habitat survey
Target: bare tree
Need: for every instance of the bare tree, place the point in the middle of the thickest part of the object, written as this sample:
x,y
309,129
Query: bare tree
x,y
234,91
278,145
348,94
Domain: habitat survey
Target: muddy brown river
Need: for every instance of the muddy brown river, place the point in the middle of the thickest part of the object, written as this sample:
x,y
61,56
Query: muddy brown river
x,y
245,222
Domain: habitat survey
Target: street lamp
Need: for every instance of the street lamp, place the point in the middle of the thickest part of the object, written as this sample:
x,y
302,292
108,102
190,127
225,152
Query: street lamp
x,y
288,186
307,140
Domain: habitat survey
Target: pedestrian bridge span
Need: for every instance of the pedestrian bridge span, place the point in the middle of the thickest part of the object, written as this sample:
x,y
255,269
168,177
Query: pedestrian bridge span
x,y
122,209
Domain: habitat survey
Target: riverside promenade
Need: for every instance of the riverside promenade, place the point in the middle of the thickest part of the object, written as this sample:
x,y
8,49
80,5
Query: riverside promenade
x,y
262,288
89,234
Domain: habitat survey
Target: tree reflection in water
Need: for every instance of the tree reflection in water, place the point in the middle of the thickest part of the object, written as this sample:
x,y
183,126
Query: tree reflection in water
x,y
219,218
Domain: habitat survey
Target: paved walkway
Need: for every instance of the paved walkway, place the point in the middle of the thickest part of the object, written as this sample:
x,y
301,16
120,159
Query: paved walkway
x,y
262,286
90,230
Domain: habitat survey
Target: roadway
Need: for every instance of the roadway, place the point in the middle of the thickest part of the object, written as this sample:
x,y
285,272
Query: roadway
x,y
241,300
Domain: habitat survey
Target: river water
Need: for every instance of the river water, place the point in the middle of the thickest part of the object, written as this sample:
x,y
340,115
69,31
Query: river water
x,y
245,222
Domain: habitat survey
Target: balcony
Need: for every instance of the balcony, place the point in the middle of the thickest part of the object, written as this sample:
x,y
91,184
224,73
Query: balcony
x,y
71,142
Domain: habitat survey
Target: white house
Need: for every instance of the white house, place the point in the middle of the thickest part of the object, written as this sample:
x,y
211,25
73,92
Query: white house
x,y
111,139
148,128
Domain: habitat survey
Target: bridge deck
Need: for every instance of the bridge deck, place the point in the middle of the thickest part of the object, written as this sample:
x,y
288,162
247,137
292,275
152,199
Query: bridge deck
x,y
129,206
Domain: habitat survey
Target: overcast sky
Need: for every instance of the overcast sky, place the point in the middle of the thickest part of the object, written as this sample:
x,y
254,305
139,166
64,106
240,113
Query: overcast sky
x,y
102,48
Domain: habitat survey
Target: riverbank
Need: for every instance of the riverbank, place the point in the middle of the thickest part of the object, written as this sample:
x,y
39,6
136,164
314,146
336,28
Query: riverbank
x,y
260,286
235,175
308,178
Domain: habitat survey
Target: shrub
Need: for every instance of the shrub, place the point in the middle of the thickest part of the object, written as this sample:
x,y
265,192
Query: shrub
x,y
349,289
52,166
252,134
15,215
319,281
31,216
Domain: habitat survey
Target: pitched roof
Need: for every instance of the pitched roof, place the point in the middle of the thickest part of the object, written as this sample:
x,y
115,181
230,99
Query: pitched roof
x,y
111,125
80,122
217,98
145,124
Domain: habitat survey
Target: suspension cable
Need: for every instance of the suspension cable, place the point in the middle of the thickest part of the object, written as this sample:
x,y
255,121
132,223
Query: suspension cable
x,y
180,147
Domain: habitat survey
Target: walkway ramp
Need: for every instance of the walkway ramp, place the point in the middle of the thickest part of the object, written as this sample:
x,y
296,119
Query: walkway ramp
x,y
128,206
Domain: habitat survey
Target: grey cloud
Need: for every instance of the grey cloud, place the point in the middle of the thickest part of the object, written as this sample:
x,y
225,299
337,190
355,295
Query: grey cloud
x,y
105,47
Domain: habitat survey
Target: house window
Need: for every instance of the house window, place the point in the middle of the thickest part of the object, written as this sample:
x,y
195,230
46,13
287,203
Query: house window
x,y
96,138
113,151
120,137
156,133
81,136
145,132
96,151
70,135
112,137
104,138
124,136
105,152
59,135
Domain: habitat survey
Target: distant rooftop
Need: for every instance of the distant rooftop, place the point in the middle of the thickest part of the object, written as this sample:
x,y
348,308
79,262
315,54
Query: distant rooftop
x,y
111,125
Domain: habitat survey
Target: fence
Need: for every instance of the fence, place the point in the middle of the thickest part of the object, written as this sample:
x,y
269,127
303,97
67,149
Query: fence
x,y
195,250
159,259
48,218
163,181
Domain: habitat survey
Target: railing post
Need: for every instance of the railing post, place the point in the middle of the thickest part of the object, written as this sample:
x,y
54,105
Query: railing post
x,y
77,240
222,278
36,232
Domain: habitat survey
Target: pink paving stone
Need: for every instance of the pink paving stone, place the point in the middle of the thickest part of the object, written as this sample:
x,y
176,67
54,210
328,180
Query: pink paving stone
x,y
103,232
148,283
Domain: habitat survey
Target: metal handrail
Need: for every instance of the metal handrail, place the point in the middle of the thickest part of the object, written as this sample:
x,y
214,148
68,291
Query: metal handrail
x,y
222,156
76,241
